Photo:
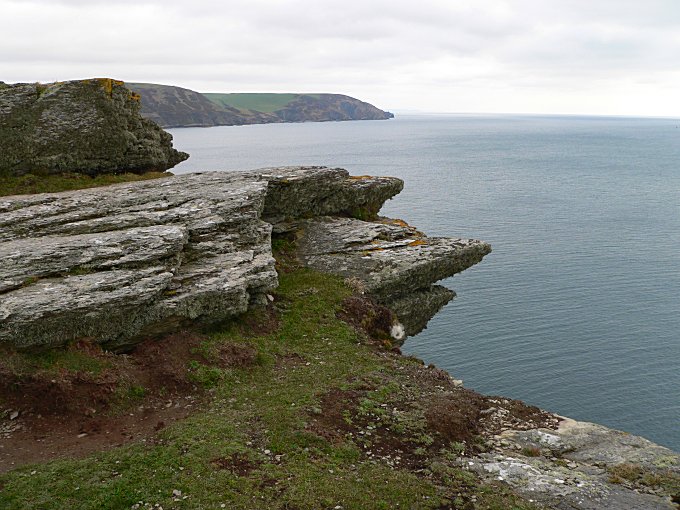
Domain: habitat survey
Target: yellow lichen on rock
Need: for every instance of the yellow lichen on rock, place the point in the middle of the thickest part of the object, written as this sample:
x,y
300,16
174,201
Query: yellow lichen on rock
x,y
417,242
108,84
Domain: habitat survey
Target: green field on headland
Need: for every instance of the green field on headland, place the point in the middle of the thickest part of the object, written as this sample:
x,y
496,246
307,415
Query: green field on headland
x,y
261,102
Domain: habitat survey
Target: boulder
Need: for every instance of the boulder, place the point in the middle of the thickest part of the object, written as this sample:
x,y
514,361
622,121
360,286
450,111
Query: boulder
x,y
83,126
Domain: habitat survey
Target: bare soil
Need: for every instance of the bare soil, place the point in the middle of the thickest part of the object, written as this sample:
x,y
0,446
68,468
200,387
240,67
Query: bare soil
x,y
429,413
67,414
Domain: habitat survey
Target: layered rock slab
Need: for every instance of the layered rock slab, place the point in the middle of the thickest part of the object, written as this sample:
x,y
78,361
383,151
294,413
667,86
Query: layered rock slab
x,y
119,263
396,264
115,263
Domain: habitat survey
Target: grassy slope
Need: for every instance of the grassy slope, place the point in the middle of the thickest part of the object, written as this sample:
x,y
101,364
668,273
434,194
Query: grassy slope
x,y
251,447
27,184
261,102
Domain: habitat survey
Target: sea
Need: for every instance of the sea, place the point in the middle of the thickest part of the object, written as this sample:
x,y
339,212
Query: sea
x,y
577,309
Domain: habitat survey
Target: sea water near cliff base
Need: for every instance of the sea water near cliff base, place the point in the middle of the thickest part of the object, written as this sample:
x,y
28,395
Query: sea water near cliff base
x,y
577,310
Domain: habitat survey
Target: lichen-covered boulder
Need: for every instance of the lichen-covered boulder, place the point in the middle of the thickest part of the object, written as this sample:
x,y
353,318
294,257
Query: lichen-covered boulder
x,y
85,126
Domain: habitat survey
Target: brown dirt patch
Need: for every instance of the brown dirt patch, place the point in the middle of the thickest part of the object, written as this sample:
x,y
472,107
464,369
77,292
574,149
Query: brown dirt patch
x,y
336,405
237,463
455,417
236,355
73,413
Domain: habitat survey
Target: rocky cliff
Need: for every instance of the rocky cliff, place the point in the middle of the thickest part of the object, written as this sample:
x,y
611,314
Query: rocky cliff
x,y
171,106
121,263
328,107
84,126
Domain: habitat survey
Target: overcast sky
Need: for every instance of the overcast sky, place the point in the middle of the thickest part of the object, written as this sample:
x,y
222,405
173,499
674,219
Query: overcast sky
x,y
535,56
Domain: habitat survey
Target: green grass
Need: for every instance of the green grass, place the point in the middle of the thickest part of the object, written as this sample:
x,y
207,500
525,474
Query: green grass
x,y
29,184
261,102
260,414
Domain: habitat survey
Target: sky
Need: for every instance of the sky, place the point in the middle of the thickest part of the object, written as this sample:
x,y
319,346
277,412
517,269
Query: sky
x,y
600,57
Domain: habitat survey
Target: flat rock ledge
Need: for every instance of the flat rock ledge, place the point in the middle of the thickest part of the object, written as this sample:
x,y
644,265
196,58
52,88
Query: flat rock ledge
x,y
584,466
125,262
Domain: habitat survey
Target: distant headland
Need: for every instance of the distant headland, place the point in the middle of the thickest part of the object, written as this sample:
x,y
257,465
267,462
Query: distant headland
x,y
171,106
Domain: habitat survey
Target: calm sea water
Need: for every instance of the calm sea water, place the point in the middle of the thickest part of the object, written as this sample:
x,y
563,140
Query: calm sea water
x,y
577,310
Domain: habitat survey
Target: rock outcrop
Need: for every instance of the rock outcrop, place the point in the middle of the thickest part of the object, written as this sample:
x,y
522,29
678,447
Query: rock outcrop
x,y
84,126
124,262
583,465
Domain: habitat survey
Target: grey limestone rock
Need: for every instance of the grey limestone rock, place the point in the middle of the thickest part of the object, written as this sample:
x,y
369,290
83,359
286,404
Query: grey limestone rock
x,y
84,126
122,262
576,464
127,260
416,308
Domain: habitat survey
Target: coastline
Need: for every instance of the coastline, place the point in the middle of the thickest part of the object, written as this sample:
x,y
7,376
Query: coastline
x,y
434,423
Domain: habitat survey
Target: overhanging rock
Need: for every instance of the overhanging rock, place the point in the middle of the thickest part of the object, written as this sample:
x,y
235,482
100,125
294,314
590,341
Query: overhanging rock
x,y
396,263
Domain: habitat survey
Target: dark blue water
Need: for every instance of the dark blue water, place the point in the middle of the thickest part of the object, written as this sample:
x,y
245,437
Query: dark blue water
x,y
577,309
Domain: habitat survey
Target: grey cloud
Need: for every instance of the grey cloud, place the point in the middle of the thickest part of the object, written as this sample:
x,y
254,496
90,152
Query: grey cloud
x,y
393,45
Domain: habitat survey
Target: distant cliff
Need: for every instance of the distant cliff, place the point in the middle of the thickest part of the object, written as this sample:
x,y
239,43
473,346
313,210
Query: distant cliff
x,y
171,106
84,126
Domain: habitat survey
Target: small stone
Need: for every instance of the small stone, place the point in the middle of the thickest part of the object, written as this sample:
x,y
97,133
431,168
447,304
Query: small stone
x,y
14,415
176,493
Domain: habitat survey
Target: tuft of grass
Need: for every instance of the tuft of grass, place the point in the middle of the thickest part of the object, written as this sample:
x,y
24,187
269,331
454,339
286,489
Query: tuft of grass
x,y
30,184
531,451
625,471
